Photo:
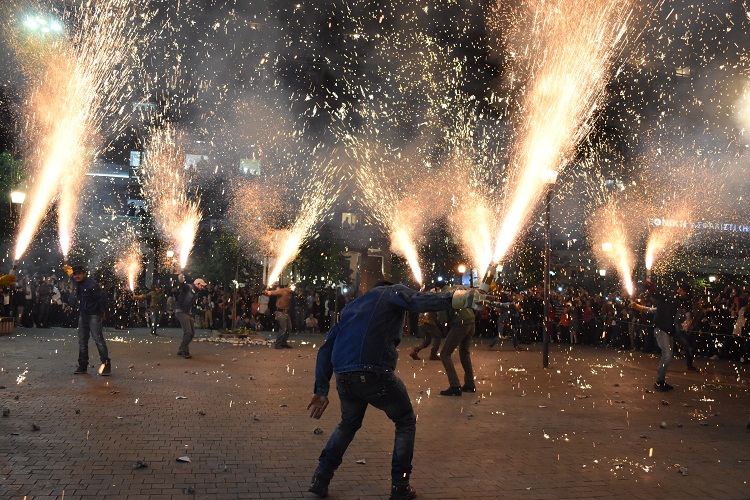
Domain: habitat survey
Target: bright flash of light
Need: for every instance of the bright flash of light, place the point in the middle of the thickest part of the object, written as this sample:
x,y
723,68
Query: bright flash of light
x,y
191,217
472,218
78,83
165,186
322,188
666,238
392,199
609,225
403,244
568,50
129,262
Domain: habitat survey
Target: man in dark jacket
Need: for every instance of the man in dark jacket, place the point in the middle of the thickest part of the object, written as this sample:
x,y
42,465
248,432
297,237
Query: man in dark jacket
x,y
664,312
183,311
361,350
91,307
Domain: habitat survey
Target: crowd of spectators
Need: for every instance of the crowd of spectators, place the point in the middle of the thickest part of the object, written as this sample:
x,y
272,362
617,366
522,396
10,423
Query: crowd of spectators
x,y
41,302
714,319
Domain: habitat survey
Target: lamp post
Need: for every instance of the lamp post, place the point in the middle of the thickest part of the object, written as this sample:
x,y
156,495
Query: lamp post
x,y
461,271
549,178
16,200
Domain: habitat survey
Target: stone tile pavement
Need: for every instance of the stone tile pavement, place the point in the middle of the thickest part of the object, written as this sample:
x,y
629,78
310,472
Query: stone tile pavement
x,y
587,427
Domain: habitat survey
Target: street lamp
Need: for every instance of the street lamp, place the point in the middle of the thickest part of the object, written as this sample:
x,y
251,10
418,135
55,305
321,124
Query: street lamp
x,y
17,197
16,200
549,178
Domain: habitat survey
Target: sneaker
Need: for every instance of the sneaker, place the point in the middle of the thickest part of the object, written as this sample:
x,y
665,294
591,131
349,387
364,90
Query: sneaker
x,y
451,391
105,370
80,370
662,386
185,355
154,334
286,346
468,388
414,355
403,492
489,347
435,357
319,486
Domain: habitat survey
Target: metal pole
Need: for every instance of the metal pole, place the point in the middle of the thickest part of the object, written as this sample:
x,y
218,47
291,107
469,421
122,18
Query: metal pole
x,y
234,298
547,301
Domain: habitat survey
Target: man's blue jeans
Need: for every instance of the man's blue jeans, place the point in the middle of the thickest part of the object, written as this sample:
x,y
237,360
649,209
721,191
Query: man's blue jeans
x,y
386,392
90,326
664,341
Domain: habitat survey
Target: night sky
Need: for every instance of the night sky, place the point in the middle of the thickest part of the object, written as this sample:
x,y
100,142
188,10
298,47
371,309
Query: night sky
x,y
408,85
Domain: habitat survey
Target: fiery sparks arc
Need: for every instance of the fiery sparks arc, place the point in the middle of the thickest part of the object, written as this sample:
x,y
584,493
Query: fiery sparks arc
x,y
613,240
319,197
569,57
78,83
129,261
165,186
392,200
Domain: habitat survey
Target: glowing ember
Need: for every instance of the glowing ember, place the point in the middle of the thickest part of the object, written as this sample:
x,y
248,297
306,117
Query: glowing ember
x,y
320,194
472,219
403,244
166,188
568,50
129,263
613,241
78,82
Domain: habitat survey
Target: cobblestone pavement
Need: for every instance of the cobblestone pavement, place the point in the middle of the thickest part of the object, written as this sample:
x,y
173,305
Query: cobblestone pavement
x,y
587,427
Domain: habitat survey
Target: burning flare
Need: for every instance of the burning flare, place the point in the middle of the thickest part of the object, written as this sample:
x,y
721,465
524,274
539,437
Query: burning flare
x,y
79,81
166,188
128,265
568,51
319,197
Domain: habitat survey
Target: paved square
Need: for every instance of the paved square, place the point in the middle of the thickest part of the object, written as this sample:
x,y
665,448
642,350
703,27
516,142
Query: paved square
x,y
588,427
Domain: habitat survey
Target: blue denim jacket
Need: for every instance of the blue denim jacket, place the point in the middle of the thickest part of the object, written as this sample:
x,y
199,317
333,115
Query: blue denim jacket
x,y
370,328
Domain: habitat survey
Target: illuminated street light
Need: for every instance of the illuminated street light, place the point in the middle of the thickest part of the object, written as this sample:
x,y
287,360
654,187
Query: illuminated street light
x,y
39,24
711,279
17,197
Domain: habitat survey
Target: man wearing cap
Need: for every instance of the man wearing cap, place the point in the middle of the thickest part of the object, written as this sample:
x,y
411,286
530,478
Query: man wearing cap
x,y
183,311
91,307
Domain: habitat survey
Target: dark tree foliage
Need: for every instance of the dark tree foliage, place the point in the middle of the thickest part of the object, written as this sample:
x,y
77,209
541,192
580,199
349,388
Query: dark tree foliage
x,y
322,257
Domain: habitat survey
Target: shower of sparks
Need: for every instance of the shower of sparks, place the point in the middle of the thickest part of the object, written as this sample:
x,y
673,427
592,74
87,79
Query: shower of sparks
x,y
393,201
472,218
165,186
411,121
129,259
569,56
613,241
255,212
320,193
78,83
674,204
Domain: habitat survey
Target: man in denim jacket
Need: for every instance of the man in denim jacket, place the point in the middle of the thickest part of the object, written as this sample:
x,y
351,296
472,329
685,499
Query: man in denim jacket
x,y
361,350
